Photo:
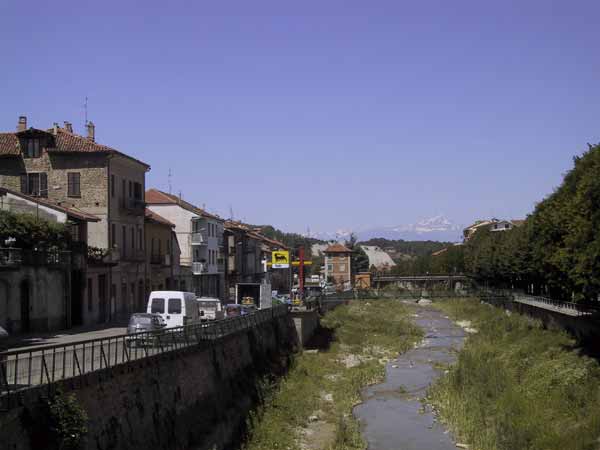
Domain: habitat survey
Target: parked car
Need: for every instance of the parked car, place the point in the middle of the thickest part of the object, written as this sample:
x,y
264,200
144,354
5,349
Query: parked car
x,y
144,323
249,309
233,310
177,308
210,308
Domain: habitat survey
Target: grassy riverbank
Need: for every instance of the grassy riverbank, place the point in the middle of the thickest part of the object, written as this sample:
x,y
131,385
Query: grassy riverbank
x,y
518,386
311,408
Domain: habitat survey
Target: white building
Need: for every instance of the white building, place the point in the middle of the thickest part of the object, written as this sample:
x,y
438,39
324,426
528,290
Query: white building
x,y
200,238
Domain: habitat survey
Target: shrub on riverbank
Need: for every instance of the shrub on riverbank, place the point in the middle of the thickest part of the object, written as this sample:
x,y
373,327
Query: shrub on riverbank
x,y
313,404
518,386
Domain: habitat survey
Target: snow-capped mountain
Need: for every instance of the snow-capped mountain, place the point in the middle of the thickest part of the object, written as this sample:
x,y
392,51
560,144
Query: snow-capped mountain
x,y
437,228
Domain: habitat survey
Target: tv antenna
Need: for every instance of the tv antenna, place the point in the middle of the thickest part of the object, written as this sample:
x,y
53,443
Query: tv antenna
x,y
169,181
85,109
230,212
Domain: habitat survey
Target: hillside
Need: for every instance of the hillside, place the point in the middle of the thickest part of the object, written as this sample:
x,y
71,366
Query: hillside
x,y
402,250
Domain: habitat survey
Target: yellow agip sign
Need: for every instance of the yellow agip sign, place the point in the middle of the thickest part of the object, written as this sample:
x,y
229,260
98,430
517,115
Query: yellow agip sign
x,y
280,259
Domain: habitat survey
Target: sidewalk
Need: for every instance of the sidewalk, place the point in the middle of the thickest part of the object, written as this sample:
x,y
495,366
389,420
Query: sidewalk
x,y
84,332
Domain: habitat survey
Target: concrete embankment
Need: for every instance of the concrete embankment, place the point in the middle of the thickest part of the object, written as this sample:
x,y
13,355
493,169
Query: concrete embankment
x,y
194,398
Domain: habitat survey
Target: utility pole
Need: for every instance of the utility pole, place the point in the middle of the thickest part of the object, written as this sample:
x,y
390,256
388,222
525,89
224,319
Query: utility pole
x,y
301,272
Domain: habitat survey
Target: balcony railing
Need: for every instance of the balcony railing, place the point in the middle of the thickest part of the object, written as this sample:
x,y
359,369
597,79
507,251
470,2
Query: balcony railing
x,y
15,257
199,239
199,268
103,255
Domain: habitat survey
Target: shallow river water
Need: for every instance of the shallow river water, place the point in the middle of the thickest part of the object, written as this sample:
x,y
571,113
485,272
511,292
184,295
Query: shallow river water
x,y
392,416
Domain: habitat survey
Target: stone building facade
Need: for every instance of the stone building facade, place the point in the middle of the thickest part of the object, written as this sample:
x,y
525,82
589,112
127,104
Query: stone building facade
x,y
76,172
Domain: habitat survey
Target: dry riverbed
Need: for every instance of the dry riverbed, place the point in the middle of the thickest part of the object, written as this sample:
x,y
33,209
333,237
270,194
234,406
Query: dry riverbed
x,y
311,409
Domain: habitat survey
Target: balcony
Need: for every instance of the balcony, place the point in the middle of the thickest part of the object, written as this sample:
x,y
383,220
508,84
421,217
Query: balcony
x,y
199,268
100,256
199,239
13,258
160,260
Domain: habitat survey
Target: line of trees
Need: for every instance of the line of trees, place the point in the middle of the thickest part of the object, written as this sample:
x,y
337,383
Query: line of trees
x,y
557,250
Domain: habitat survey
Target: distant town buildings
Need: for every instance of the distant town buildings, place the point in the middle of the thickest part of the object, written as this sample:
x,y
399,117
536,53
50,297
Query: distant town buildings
x,y
338,266
492,225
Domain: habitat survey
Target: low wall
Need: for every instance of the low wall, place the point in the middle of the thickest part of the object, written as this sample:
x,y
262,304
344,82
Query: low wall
x,y
585,330
195,398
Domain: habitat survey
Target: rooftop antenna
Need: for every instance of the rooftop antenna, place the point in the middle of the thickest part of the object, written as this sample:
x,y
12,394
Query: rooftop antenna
x,y
85,109
179,195
230,212
169,178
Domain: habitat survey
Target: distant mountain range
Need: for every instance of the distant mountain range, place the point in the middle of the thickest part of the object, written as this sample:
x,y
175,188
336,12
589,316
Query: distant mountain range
x,y
437,228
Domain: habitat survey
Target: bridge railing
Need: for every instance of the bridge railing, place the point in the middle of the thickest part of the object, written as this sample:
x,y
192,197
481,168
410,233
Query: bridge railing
x,y
35,366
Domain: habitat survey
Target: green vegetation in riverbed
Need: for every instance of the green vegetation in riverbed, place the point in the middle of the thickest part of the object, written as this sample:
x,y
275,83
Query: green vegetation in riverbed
x,y
312,407
518,386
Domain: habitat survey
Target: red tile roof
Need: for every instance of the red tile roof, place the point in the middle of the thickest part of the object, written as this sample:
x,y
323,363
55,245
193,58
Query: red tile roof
x,y
157,197
69,211
337,248
151,216
62,142
9,144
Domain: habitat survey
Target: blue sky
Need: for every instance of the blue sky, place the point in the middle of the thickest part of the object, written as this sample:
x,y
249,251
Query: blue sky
x,y
326,114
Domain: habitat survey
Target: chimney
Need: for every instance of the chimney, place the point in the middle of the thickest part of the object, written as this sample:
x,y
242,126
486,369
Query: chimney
x,y
55,128
22,125
91,131
68,127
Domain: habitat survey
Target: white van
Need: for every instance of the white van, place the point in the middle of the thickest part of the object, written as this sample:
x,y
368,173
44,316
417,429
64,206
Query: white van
x,y
177,308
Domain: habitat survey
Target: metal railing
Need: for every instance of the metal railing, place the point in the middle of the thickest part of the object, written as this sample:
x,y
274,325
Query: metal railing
x,y
199,239
10,257
45,365
199,268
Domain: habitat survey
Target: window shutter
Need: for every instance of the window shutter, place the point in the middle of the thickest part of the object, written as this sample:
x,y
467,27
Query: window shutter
x,y
43,184
24,183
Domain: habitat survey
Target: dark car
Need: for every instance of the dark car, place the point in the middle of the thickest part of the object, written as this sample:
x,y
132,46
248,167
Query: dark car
x,y
144,323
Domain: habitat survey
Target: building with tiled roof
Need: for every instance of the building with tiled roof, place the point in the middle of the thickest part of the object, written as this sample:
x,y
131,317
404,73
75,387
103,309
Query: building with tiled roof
x,y
162,253
60,167
200,238
338,266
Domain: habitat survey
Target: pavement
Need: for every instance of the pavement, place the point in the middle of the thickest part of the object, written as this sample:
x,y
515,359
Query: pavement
x,y
39,339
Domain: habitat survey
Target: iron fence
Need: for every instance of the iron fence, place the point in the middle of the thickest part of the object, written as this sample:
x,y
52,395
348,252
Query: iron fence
x,y
35,366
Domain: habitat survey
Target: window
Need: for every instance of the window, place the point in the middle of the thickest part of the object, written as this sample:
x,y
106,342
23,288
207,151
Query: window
x,y
137,191
123,193
342,267
168,247
174,306
132,238
35,184
33,148
160,246
112,186
124,236
90,294
74,184
113,235
130,189
140,239
157,306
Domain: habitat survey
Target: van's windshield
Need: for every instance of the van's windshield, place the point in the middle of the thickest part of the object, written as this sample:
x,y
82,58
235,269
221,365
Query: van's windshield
x,y
158,306
174,306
